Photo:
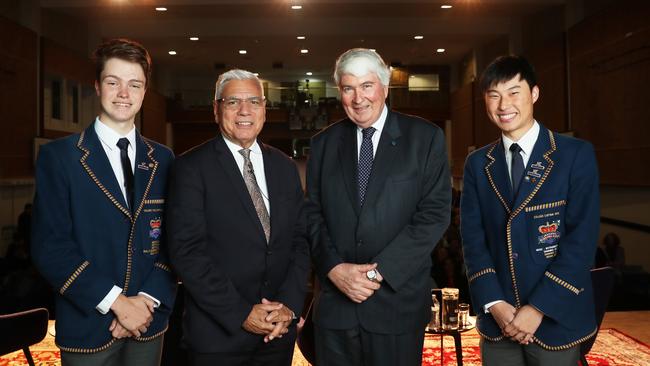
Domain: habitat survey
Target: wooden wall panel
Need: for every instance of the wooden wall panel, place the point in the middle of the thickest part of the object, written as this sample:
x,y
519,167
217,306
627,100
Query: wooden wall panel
x,y
58,60
462,126
18,99
188,135
549,61
610,75
154,117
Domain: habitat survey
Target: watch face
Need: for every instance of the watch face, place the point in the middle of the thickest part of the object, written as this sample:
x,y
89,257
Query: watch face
x,y
372,275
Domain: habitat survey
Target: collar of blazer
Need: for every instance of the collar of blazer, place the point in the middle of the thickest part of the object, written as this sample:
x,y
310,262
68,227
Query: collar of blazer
x,y
539,167
231,170
96,164
381,166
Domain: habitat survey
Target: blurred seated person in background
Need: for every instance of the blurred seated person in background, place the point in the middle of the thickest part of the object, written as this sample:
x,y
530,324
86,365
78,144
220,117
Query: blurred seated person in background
x,y
611,253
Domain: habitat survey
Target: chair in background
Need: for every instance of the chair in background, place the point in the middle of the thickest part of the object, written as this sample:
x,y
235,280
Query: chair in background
x,y
21,330
602,280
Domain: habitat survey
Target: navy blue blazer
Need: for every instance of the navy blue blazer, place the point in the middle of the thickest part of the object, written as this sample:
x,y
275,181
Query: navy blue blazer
x,y
536,248
85,239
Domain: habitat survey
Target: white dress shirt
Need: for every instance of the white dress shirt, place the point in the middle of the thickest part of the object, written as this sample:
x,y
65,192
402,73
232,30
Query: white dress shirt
x,y
378,125
527,143
108,137
258,167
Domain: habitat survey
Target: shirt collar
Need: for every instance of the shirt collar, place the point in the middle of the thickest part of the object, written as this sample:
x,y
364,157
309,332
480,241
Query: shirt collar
x,y
378,125
526,142
234,148
109,137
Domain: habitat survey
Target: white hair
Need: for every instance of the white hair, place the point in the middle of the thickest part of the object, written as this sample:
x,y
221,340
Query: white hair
x,y
360,62
234,74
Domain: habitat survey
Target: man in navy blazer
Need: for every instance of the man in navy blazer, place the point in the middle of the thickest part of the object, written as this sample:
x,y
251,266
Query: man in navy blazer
x,y
98,224
379,195
237,236
529,224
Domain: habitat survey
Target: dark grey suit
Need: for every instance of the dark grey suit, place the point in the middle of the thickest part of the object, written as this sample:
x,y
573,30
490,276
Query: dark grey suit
x,y
405,212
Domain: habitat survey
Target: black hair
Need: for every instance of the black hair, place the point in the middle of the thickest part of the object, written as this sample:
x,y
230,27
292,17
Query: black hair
x,y
504,68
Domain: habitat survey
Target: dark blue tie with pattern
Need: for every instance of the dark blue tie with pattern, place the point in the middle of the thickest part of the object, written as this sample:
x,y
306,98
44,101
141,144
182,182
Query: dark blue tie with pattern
x,y
365,162
516,168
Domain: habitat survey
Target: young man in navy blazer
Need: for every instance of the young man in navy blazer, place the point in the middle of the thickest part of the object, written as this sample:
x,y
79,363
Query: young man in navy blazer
x,y
98,224
529,223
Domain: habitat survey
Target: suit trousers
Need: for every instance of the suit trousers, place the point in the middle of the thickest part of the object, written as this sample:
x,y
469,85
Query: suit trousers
x,y
266,354
123,352
510,353
358,347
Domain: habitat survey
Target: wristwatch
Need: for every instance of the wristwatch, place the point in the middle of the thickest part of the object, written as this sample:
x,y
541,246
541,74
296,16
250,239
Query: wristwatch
x,y
372,275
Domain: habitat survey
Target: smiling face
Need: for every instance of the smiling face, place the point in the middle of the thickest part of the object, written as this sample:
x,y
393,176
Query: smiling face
x,y
121,90
363,98
510,106
242,123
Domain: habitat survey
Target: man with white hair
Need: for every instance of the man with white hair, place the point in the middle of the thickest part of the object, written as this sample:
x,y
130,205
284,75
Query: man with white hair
x,y
237,237
379,199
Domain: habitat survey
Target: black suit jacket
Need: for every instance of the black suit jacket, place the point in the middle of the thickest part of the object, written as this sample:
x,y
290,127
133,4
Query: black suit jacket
x,y
406,211
217,245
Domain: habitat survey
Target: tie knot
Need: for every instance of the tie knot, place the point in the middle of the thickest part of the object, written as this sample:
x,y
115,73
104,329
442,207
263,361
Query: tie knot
x,y
246,153
368,132
515,148
123,143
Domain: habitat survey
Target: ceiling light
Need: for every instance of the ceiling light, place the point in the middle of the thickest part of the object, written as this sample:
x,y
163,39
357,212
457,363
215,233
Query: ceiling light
x,y
440,50
418,37
242,52
161,9
309,73
304,50
194,38
256,73
172,52
301,37
373,50
445,6
296,7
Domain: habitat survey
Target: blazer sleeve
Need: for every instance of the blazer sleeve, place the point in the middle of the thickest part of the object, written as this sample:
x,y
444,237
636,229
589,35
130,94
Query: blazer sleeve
x,y
161,281
484,285
568,273
187,240
324,254
55,252
293,289
397,262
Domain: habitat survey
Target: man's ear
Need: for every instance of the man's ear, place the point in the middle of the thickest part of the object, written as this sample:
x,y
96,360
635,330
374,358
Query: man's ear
x,y
535,93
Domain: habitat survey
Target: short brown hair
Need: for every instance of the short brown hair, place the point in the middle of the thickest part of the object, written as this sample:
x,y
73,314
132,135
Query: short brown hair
x,y
124,49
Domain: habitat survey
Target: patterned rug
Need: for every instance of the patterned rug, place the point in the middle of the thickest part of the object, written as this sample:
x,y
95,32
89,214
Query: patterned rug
x,y
612,348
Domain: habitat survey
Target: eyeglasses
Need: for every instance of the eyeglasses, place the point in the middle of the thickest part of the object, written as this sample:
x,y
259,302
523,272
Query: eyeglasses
x,y
233,104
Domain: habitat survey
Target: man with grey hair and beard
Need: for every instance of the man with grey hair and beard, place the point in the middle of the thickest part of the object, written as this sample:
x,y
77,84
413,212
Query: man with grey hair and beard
x,y
237,236
379,199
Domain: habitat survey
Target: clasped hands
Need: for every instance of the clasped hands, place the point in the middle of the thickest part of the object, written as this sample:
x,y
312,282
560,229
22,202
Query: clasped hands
x,y
351,279
132,316
518,325
270,319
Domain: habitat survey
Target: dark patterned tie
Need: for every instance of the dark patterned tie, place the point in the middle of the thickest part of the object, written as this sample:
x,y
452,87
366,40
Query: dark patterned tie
x,y
123,144
256,194
516,168
364,167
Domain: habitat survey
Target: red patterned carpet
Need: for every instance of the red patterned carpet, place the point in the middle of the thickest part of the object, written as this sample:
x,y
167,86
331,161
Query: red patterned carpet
x,y
612,348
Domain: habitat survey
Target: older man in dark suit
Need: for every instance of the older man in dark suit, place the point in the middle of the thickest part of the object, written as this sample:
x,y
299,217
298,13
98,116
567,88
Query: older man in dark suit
x,y
237,236
379,194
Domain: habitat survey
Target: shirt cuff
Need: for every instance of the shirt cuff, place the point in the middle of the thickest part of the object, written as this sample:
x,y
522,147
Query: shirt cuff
x,y
105,305
487,306
156,301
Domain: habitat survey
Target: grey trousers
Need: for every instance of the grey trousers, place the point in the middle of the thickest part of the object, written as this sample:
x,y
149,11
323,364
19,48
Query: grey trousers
x,y
123,352
509,353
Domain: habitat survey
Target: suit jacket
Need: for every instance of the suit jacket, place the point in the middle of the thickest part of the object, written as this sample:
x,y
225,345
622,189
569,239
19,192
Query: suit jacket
x,y
85,239
218,247
538,247
405,212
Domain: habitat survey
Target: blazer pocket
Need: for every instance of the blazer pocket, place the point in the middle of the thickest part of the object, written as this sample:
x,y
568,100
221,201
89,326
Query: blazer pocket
x,y
545,227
